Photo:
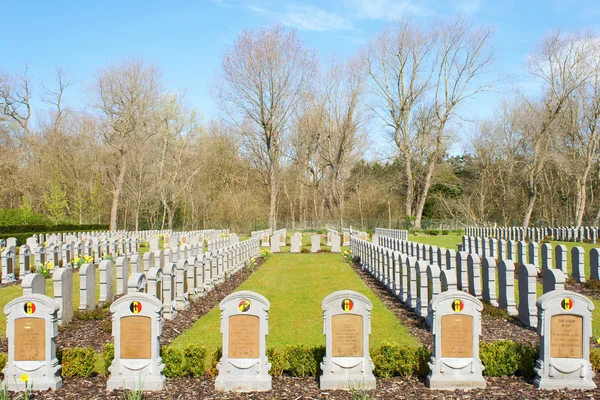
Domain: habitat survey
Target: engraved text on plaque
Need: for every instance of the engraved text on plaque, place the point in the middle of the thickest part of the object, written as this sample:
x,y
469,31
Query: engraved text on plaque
x,y
457,336
347,335
566,332
30,339
136,337
244,336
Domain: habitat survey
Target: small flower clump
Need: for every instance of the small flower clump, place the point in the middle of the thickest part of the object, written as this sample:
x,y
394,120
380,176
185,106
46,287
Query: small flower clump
x,y
265,253
347,254
45,269
77,262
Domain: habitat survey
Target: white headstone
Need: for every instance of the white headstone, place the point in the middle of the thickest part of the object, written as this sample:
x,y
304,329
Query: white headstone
x,y
347,326
136,327
244,366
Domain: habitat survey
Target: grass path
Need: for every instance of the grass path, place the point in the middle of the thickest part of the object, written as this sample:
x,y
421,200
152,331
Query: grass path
x,y
295,284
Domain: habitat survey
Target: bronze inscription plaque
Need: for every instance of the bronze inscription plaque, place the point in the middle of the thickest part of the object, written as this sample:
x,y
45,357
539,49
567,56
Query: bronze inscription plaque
x,y
347,335
566,336
136,337
30,339
457,336
244,336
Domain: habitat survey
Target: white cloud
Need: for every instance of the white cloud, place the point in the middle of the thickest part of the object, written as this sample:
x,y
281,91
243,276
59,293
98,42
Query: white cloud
x,y
310,18
468,7
387,9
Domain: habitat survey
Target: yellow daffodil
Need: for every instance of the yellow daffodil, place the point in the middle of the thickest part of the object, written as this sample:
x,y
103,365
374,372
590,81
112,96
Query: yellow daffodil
x,y
24,378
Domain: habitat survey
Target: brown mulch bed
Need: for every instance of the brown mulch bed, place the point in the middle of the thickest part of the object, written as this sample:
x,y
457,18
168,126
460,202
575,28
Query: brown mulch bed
x,y
308,388
582,288
494,325
17,282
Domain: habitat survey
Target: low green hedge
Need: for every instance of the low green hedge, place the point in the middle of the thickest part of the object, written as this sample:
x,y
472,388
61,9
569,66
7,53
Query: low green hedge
x,y
7,229
22,232
501,358
77,362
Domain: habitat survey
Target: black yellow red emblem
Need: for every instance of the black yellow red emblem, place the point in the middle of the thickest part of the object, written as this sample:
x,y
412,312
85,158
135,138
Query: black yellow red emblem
x,y
347,305
135,307
566,304
458,305
29,307
244,305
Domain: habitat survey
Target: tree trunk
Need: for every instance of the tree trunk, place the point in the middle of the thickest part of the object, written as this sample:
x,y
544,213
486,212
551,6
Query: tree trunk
x,y
117,192
529,211
424,192
597,219
273,203
409,187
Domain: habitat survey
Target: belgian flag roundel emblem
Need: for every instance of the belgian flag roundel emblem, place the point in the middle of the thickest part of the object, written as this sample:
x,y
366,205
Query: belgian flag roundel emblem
x,y
458,305
244,305
347,305
566,304
135,307
29,307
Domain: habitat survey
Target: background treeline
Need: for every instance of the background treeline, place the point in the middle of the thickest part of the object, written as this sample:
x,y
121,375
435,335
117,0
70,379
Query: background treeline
x,y
300,142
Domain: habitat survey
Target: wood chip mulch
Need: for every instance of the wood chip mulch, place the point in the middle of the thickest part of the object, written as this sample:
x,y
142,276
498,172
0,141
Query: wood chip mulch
x,y
582,288
494,327
308,388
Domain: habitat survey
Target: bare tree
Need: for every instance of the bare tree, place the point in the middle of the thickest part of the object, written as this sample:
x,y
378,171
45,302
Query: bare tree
x,y
124,93
420,78
559,63
263,75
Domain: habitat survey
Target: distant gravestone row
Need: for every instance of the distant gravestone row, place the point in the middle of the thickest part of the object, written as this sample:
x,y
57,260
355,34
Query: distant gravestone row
x,y
563,233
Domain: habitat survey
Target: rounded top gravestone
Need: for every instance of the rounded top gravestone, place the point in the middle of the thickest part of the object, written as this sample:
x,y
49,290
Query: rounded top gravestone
x,y
244,366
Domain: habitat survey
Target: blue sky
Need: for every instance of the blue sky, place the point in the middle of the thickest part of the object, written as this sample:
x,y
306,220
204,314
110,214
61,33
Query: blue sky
x,y
186,38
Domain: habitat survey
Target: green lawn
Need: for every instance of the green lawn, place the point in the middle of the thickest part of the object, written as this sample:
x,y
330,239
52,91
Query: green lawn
x,y
295,285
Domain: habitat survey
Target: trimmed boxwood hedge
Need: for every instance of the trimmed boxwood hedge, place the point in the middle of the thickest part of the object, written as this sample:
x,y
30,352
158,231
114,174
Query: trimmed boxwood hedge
x,y
22,232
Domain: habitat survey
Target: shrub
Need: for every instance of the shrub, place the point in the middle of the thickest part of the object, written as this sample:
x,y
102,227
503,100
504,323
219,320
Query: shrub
x,y
108,354
301,360
214,360
78,362
96,314
194,355
304,250
593,284
174,362
277,360
422,357
391,359
494,312
3,360
594,359
432,232
528,355
499,358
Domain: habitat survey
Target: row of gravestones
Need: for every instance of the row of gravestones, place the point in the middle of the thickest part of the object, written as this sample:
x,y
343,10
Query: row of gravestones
x,y
333,238
278,239
63,254
137,324
565,234
563,361
392,233
522,252
59,255
174,281
455,318
416,273
260,234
